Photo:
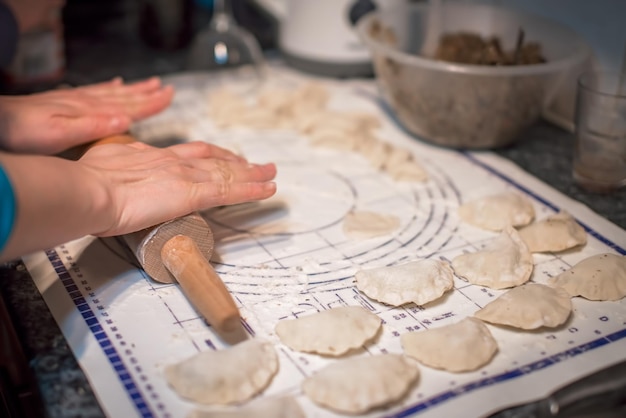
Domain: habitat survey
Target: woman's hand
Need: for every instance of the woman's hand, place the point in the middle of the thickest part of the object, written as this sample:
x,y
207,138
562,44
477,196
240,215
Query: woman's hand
x,y
50,122
116,189
147,185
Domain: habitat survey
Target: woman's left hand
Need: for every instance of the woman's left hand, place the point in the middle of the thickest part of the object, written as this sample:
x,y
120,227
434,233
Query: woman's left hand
x,y
51,122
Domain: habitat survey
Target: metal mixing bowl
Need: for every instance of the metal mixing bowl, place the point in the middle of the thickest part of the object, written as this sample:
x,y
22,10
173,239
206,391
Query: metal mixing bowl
x,y
470,106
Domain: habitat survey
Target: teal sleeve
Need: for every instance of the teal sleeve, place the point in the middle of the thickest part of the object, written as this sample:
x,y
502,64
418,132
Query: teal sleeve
x,y
7,208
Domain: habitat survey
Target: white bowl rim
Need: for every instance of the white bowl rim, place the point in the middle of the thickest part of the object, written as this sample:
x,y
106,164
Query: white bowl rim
x,y
469,69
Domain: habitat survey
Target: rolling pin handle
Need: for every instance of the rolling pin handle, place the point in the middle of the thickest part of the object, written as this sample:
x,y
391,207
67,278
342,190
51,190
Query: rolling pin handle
x,y
200,283
184,257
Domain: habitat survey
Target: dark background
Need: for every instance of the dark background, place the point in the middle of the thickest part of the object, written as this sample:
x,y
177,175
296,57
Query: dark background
x,y
39,375
108,38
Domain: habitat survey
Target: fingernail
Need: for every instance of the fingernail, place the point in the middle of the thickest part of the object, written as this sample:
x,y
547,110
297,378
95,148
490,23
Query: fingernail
x,y
117,122
154,80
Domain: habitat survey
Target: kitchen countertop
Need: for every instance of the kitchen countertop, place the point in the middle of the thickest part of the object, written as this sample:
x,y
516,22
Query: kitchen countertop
x,y
544,151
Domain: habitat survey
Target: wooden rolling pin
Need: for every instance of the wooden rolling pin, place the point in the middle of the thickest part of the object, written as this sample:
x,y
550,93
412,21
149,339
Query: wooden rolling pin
x,y
179,251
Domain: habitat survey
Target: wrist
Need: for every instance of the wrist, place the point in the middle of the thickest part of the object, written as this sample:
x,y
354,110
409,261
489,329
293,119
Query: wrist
x,y
99,198
57,201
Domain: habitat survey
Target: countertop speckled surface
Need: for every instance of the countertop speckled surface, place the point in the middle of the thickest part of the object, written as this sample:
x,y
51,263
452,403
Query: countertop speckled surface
x,y
544,152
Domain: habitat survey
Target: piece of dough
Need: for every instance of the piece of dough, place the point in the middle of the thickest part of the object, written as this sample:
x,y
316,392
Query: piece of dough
x,y
283,407
275,99
529,306
258,118
331,138
225,107
464,346
311,95
396,156
504,262
409,171
225,376
357,385
346,123
419,282
599,277
498,211
331,332
361,224
555,233
373,150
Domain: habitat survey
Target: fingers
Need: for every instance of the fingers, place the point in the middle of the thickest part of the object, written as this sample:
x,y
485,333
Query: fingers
x,y
110,115
141,106
191,163
139,100
148,85
230,183
227,172
212,196
149,185
76,130
103,88
203,150
117,87
145,101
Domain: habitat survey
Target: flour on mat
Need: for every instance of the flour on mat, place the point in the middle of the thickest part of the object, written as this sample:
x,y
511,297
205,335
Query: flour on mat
x,y
361,224
282,407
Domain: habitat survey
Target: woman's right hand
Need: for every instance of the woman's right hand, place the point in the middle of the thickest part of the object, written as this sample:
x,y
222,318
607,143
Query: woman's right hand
x,y
144,186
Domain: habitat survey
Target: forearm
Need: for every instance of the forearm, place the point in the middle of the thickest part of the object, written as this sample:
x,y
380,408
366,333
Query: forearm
x,y
56,201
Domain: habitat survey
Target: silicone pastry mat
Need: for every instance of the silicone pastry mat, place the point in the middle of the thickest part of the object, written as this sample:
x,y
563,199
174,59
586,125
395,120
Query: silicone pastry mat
x,y
287,257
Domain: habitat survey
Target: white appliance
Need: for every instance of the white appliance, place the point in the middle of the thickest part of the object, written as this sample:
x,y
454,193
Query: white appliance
x,y
318,36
